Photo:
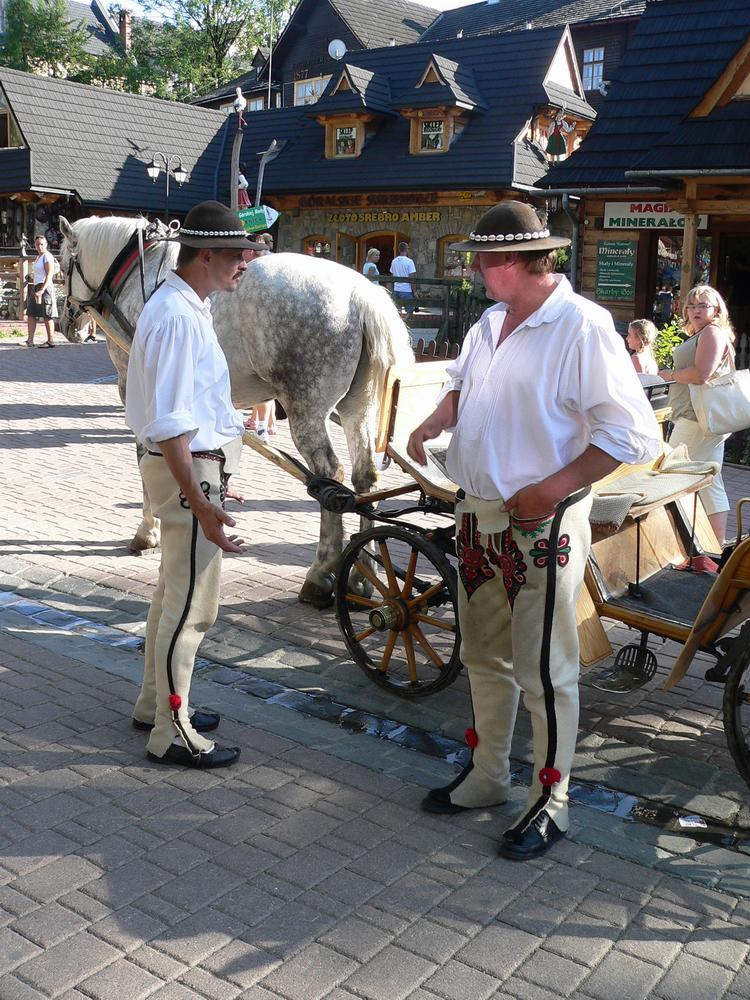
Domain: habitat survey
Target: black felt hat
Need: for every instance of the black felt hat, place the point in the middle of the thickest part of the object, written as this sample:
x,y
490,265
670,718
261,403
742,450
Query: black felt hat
x,y
511,226
212,226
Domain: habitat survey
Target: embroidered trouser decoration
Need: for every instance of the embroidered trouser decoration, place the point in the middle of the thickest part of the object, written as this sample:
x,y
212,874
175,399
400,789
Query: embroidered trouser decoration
x,y
184,606
518,635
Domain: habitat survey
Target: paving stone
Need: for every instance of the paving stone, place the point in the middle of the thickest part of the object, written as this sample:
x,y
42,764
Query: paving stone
x,y
174,991
207,985
308,867
127,883
311,974
357,939
48,925
241,963
498,950
695,978
15,989
393,973
57,878
289,929
456,981
156,962
623,976
121,979
15,949
128,928
199,935
716,946
582,939
431,940
67,964
411,896
552,972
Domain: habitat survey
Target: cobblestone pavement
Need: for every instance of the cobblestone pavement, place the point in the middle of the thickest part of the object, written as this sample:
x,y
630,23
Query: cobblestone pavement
x,y
306,871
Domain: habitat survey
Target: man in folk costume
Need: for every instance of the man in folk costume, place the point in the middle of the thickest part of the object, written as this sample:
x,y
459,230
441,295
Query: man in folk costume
x,y
542,405
179,406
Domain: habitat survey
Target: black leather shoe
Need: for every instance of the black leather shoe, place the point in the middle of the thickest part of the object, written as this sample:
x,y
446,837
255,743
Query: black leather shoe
x,y
202,722
536,839
218,757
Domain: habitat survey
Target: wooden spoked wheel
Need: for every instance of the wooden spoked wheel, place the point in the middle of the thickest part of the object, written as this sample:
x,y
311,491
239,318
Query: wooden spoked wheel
x,y
737,702
396,604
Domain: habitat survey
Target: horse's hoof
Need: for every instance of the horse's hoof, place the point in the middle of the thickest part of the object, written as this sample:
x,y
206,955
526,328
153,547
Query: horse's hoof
x,y
141,544
320,595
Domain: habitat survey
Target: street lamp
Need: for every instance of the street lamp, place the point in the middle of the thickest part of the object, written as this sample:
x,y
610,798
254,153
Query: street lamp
x,y
172,166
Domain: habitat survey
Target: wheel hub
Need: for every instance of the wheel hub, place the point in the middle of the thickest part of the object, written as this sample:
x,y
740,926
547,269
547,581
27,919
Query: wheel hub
x,y
388,616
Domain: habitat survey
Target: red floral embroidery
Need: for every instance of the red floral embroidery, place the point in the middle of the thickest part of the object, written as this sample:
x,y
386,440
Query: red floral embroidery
x,y
473,567
471,738
549,776
175,702
510,562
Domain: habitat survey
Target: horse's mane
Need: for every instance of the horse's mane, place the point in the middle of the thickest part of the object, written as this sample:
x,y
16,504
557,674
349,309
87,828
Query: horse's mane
x,y
104,238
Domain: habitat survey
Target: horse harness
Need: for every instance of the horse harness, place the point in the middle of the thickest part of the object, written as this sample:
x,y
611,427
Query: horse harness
x,y
104,298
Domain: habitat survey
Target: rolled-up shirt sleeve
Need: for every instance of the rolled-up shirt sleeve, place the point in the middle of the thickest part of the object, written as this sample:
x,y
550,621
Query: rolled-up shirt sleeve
x,y
169,360
602,384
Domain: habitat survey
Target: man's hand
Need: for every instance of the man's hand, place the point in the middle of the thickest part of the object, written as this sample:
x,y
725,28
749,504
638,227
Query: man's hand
x,y
38,297
532,502
444,416
212,520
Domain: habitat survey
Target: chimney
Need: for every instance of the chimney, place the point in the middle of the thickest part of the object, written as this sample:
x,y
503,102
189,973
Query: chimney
x,y
126,29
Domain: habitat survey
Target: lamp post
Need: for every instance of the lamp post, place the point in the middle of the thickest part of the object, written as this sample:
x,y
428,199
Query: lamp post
x,y
172,166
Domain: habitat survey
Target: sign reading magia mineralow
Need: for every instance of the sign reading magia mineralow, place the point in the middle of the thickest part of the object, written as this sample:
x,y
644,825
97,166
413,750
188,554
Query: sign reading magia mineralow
x,y
615,269
645,215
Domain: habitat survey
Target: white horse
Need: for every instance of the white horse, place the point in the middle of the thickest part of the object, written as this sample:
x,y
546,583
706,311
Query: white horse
x,y
313,334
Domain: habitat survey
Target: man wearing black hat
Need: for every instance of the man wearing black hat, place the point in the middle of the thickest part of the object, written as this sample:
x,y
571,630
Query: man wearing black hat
x,y
542,404
179,406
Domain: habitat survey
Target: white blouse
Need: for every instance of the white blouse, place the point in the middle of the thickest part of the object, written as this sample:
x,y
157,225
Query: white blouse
x,y
178,381
560,382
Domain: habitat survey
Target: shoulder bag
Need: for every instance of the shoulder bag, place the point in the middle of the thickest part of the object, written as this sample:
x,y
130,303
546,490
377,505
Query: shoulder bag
x,y
722,404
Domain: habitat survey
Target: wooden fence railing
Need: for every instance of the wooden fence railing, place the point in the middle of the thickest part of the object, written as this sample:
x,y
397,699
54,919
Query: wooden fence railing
x,y
445,303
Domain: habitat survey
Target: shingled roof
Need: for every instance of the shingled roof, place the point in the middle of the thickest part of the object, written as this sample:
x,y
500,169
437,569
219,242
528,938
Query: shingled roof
x,y
508,15
677,51
718,143
376,22
96,143
103,36
369,91
508,72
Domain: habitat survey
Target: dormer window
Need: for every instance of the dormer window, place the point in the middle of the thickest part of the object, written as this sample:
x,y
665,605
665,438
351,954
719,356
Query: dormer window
x,y
432,135
10,137
345,143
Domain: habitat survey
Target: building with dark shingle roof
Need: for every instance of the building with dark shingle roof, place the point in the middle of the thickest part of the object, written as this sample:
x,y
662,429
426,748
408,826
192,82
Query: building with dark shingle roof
x,y
600,29
664,171
70,144
406,142
299,63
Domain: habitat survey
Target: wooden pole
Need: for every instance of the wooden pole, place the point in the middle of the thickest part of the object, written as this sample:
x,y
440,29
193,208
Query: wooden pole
x,y
689,242
235,169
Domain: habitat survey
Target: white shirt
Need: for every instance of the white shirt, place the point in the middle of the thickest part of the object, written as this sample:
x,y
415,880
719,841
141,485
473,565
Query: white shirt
x,y
38,267
402,267
178,381
242,182
560,382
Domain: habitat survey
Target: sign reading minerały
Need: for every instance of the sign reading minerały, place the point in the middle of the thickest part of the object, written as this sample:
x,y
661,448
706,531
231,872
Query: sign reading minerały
x,y
615,270
645,215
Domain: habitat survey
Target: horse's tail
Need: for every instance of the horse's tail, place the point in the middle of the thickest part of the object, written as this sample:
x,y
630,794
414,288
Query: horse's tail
x,y
385,337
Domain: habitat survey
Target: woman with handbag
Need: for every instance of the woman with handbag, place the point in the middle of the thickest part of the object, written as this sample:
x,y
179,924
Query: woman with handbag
x,y
707,354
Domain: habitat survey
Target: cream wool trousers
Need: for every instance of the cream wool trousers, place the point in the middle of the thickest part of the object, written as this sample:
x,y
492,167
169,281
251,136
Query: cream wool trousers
x,y
185,603
519,584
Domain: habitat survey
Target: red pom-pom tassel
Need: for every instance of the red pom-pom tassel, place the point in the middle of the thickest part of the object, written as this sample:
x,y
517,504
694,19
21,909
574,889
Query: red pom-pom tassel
x,y
175,702
549,776
471,738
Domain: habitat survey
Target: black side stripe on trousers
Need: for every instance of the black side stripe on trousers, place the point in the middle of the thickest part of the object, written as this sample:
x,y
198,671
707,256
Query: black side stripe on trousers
x,y
180,625
548,686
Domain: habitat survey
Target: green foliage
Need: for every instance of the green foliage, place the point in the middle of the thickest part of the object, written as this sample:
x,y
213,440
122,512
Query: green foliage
x,y
562,258
670,335
41,38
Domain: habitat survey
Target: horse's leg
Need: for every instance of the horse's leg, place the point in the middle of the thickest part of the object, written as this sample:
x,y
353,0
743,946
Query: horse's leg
x,y
310,435
148,534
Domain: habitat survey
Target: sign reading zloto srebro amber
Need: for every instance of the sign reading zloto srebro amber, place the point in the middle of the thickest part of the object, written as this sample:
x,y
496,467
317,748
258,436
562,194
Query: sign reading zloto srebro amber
x,y
615,270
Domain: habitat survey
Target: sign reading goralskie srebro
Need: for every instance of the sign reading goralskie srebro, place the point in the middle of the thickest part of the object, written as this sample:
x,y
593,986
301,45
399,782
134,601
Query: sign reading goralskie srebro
x,y
615,269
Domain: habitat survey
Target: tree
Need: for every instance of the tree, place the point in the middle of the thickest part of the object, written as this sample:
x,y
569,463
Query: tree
x,y
40,37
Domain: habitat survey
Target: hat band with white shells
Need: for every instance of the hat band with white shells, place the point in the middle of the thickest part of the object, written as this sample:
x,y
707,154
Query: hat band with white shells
x,y
211,232
542,234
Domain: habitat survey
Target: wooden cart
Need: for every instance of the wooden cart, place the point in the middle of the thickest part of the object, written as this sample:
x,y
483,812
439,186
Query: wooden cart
x,y
396,590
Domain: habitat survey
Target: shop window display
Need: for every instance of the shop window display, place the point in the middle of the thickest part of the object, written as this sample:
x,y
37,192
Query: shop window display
x,y
316,246
668,265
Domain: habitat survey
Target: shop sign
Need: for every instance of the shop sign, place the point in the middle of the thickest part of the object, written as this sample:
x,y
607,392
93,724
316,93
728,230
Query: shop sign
x,y
645,215
384,216
615,270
